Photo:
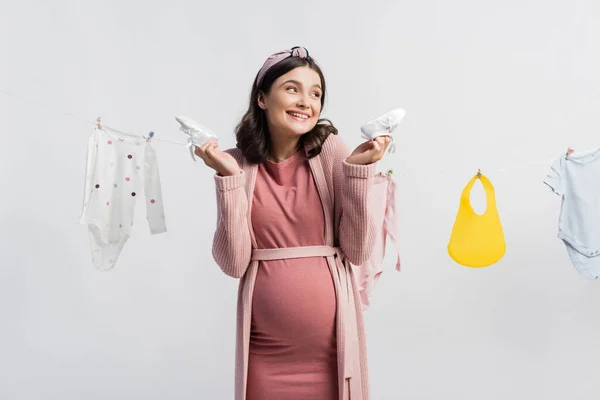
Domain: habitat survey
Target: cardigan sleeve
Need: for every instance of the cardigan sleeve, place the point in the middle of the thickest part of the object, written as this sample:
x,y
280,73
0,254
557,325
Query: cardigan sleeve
x,y
357,225
232,247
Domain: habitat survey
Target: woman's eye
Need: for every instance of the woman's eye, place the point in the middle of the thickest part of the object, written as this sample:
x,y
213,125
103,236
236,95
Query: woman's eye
x,y
317,94
293,88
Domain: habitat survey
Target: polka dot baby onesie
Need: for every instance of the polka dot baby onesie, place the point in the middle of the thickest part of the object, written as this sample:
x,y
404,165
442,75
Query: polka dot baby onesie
x,y
119,168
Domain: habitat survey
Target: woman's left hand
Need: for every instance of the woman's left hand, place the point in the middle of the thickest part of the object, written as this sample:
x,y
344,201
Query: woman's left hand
x,y
370,151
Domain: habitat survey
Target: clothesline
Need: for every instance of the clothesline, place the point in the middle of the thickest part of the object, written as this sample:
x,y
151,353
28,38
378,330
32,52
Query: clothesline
x,y
77,117
48,107
510,168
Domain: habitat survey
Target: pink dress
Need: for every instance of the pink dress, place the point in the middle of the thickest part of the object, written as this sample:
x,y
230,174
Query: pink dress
x,y
292,352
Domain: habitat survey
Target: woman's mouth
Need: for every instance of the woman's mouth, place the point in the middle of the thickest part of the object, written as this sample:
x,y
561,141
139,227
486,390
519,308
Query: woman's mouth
x,y
298,117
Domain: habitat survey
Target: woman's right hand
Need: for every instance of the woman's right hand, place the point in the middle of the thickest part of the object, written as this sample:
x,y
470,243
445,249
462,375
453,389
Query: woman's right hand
x,y
221,162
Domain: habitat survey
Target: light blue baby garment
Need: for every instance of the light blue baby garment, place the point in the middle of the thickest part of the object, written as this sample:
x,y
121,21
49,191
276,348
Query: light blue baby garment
x,y
576,179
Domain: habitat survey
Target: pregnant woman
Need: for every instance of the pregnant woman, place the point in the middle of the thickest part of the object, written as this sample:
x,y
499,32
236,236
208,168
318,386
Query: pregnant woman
x,y
293,212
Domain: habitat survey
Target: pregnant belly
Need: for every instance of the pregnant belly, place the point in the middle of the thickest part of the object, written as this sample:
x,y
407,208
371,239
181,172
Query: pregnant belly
x,y
294,308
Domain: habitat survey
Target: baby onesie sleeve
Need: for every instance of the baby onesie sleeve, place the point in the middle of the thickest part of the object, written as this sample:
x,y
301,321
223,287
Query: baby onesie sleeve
x,y
90,170
391,223
554,178
155,212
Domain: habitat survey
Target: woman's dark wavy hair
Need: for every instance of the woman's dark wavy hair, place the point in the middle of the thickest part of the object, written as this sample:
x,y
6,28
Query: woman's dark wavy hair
x,y
252,132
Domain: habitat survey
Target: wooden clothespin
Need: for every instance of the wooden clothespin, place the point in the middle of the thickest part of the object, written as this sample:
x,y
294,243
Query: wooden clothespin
x,y
569,151
99,122
150,136
478,172
389,174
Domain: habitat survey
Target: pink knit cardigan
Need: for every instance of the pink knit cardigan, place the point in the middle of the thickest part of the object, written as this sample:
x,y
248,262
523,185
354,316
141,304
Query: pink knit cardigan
x,y
350,231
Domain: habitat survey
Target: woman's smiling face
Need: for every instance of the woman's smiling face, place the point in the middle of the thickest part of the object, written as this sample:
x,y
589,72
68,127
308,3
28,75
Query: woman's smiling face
x,y
293,105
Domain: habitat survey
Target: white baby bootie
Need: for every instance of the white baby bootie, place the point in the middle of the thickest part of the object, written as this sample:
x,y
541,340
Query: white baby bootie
x,y
383,126
198,135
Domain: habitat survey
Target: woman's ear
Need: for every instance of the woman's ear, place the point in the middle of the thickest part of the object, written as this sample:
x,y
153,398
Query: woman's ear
x,y
261,100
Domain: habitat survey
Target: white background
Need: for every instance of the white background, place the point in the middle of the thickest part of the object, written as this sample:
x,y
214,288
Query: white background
x,y
490,85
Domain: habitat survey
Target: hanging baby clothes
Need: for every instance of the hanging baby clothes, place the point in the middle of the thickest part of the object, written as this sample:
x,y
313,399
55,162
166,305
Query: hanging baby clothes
x,y
477,240
575,179
383,200
119,167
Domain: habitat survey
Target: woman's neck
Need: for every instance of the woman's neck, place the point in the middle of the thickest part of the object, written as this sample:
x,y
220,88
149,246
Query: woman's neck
x,y
281,150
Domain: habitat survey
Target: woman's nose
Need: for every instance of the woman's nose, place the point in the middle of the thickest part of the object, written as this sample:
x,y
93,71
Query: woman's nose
x,y
303,102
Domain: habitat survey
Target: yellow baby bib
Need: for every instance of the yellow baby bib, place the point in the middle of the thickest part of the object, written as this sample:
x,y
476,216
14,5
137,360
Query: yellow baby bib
x,y
477,240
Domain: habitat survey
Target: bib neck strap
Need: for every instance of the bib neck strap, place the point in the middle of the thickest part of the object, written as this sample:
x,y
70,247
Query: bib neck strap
x,y
489,193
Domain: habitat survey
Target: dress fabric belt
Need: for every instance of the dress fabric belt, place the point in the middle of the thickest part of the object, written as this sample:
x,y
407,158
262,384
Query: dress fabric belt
x,y
294,252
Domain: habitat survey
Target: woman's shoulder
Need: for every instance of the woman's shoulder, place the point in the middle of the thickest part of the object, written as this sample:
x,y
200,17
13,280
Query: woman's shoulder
x,y
237,154
334,147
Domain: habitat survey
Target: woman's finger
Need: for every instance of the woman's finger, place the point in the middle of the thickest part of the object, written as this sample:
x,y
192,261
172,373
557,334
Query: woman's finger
x,y
377,145
200,151
382,143
385,141
205,145
210,150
